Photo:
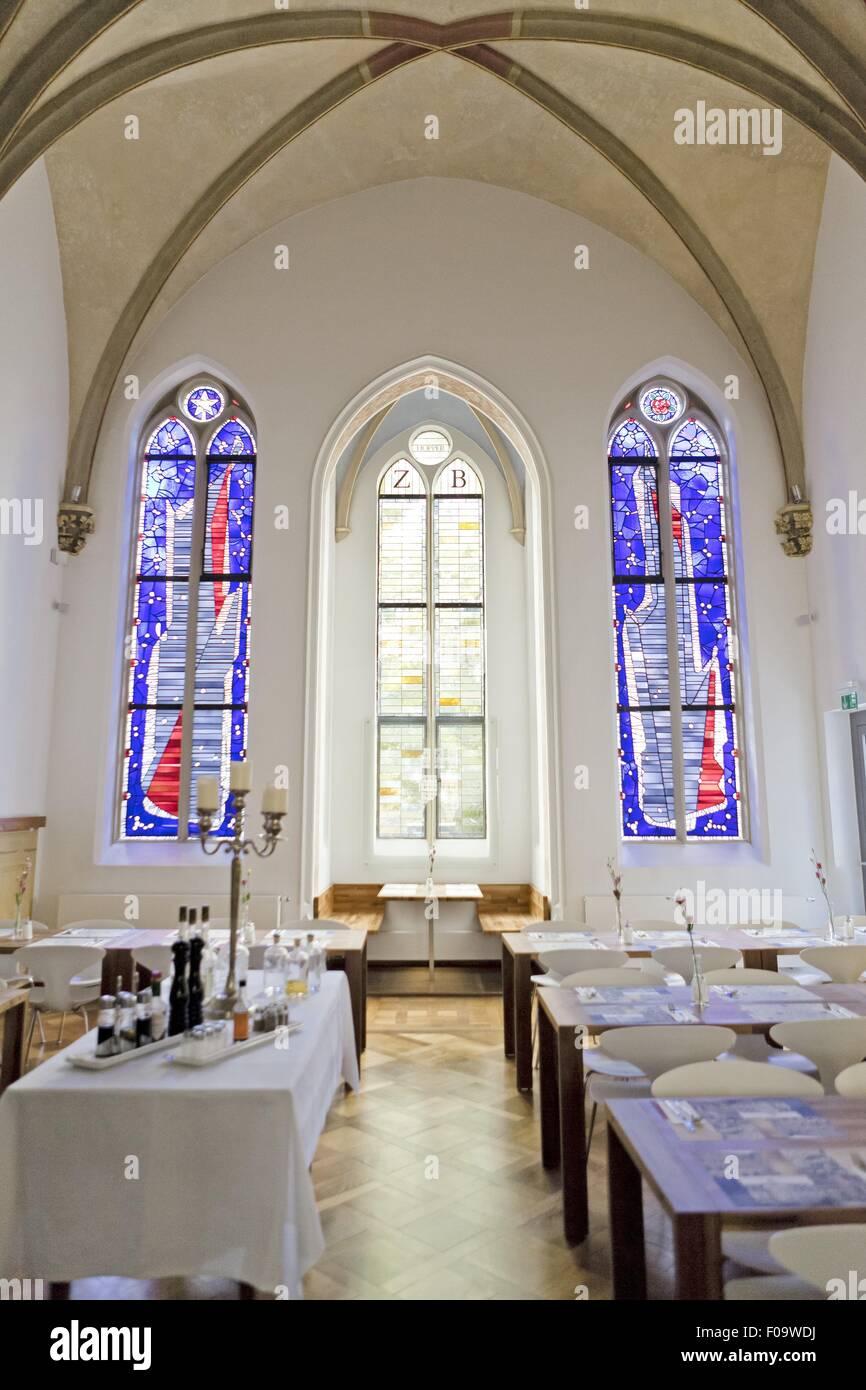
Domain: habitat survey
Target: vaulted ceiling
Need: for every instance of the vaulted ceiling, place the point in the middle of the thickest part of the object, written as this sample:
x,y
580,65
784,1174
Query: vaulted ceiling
x,y
252,110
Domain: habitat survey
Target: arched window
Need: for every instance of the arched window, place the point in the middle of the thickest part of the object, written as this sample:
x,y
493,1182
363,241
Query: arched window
x,y
430,688
674,622
189,645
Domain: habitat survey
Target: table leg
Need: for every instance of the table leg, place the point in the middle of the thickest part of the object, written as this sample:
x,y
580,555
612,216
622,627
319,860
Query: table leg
x,y
625,1196
431,951
523,1021
547,1084
353,965
12,1059
364,998
698,1256
507,1000
572,1131
753,959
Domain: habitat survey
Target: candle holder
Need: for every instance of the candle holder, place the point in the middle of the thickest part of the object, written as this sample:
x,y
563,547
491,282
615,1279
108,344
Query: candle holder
x,y
222,1004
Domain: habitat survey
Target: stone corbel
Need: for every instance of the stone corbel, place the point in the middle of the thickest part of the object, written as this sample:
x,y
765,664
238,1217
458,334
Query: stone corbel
x,y
75,522
794,524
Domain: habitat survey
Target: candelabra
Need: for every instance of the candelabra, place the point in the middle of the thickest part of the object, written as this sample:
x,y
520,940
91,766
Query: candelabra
x,y
222,1004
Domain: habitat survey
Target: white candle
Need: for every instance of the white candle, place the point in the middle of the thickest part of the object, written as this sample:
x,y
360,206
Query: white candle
x,y
208,791
241,777
275,800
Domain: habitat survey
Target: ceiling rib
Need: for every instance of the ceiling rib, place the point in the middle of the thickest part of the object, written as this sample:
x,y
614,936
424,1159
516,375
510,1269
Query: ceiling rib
x,y
827,54
54,52
239,172
833,125
623,158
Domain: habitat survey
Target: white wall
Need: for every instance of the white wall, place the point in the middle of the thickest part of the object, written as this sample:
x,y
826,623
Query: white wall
x,y
834,401
489,283
33,408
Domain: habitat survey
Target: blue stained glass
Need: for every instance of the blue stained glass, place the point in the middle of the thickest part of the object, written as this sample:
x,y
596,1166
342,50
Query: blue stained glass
x,y
161,636
711,767
703,627
698,510
693,439
171,437
646,775
631,441
228,531
634,504
641,645
165,518
203,404
232,438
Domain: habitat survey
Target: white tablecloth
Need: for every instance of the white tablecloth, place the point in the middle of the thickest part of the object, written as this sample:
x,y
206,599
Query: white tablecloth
x,y
223,1154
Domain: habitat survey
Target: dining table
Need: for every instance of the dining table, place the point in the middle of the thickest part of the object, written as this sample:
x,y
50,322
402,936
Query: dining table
x,y
13,1017
567,1023
728,1163
345,949
154,1169
760,948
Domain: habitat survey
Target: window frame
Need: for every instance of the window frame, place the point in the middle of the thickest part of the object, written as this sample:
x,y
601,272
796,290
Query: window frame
x,y
431,720
201,433
662,439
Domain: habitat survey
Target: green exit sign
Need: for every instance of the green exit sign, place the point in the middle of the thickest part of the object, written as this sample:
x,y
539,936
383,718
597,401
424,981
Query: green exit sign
x,y
849,699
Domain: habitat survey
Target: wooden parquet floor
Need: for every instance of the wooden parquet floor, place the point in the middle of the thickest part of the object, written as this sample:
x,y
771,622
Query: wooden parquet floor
x,y
429,1183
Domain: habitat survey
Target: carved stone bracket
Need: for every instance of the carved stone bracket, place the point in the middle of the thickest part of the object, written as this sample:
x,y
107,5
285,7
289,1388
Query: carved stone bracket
x,y
75,522
794,525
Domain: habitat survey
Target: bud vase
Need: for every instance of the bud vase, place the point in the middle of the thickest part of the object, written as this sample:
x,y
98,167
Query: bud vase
x,y
831,929
700,994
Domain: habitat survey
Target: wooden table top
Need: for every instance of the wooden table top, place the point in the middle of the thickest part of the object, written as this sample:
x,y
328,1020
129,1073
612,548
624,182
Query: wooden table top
x,y
752,1010
334,939
804,1157
12,998
553,936
417,892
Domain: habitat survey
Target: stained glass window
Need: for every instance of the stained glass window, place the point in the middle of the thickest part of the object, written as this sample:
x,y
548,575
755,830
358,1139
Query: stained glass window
x,y
687,784
189,650
431,747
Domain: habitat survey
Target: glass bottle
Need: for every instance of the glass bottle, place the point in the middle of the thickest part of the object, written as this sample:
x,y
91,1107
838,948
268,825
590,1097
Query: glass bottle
x,y
105,1046
241,1015
143,1018
127,1004
296,973
699,984
194,984
208,964
158,1011
315,964
178,1017
275,966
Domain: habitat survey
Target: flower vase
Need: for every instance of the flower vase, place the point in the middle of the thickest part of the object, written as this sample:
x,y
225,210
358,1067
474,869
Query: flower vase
x,y
16,934
831,929
619,935
700,993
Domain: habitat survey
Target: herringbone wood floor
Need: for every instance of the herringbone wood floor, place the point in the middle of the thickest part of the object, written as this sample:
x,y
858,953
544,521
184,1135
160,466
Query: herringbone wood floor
x,y
430,1183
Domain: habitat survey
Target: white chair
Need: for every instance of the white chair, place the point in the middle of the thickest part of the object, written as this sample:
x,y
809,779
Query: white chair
x,y
735,1079
852,1082
646,1052
821,1254
651,925
842,964
833,1044
154,958
742,976
558,962
68,978
98,925
679,961
7,926
653,973
613,979
807,1262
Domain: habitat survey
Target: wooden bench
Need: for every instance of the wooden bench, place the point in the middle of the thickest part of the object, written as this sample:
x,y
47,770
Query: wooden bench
x,y
352,905
511,906
504,907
